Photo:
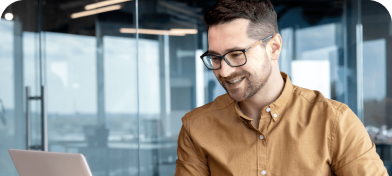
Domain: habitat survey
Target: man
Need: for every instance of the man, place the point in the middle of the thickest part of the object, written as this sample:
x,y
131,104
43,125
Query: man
x,y
264,125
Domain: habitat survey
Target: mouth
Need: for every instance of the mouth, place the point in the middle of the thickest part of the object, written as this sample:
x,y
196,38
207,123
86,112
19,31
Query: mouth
x,y
236,80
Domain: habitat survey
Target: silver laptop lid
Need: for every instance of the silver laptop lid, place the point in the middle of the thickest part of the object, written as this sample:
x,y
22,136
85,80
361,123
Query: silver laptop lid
x,y
39,163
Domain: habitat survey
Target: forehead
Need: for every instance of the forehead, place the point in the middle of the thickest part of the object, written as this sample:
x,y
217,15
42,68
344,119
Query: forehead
x,y
228,35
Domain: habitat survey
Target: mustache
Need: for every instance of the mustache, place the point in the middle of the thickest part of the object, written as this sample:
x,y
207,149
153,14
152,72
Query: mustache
x,y
234,75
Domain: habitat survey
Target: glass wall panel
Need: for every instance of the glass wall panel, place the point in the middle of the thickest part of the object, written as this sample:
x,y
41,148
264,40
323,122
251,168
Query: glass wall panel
x,y
377,77
92,87
121,103
316,64
71,81
312,46
18,68
7,125
172,78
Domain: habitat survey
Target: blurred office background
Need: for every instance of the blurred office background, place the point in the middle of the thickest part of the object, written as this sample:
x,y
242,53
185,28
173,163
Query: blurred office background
x,y
118,97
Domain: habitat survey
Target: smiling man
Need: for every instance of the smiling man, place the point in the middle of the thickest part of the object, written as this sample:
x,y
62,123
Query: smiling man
x,y
264,125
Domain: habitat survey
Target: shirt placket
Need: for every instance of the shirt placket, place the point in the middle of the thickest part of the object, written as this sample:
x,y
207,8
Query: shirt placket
x,y
262,147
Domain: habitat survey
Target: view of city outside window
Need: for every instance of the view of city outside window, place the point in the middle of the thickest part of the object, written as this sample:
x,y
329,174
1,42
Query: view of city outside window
x,y
119,79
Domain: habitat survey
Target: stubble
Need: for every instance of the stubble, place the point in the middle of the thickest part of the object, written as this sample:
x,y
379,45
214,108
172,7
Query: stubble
x,y
253,83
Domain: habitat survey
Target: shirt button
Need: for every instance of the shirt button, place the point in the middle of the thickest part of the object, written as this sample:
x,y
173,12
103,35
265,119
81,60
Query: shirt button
x,y
261,137
275,115
263,172
268,109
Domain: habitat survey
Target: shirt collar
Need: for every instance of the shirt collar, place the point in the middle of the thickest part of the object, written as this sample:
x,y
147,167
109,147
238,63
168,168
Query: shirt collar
x,y
278,105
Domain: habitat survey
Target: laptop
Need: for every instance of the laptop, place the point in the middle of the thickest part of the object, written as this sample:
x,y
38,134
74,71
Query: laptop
x,y
39,163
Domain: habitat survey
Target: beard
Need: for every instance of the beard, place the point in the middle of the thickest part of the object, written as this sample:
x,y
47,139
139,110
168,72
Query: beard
x,y
253,83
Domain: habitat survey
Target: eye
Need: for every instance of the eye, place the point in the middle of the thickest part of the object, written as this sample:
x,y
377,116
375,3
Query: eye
x,y
236,54
214,58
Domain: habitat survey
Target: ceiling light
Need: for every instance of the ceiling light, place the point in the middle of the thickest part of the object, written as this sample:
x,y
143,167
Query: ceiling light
x,y
9,16
185,31
148,31
96,11
103,3
174,32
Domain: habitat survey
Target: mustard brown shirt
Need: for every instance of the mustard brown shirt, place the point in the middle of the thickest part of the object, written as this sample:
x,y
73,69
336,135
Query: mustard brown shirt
x,y
302,133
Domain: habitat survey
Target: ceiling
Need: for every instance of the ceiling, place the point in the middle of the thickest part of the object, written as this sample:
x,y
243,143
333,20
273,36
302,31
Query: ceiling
x,y
152,14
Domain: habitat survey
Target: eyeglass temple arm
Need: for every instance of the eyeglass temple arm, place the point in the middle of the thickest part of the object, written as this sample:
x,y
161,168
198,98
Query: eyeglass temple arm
x,y
261,41
268,38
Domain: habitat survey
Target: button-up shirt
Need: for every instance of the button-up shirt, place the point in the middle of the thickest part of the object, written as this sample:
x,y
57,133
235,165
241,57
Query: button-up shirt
x,y
301,133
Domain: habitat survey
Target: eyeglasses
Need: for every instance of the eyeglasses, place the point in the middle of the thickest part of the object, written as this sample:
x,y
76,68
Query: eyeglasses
x,y
236,58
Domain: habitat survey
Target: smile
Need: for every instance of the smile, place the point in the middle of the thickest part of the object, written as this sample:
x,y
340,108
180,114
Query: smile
x,y
236,81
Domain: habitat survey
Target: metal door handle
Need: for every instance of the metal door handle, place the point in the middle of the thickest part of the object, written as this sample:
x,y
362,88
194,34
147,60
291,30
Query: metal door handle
x,y
27,99
44,128
2,112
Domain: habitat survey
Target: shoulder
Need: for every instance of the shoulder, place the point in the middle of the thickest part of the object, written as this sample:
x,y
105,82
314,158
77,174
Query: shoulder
x,y
330,115
315,99
220,103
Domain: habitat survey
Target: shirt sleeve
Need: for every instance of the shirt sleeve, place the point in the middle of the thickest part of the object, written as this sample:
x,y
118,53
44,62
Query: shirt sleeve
x,y
353,153
188,163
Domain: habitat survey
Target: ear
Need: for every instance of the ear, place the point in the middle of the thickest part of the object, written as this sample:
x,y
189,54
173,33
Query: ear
x,y
275,46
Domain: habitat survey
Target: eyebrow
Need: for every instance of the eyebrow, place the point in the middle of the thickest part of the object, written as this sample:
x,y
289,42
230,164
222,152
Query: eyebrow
x,y
226,51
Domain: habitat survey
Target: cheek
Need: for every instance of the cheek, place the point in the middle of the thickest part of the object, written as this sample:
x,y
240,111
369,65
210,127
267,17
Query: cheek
x,y
254,58
257,62
253,66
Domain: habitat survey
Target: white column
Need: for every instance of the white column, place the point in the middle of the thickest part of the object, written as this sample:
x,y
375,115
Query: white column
x,y
167,84
199,79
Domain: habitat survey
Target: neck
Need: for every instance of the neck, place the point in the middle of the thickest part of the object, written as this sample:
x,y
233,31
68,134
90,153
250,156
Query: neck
x,y
269,93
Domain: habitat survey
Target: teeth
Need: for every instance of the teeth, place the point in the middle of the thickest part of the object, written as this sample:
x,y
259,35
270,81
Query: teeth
x,y
235,81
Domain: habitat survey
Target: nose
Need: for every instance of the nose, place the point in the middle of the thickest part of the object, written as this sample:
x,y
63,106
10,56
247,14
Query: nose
x,y
226,70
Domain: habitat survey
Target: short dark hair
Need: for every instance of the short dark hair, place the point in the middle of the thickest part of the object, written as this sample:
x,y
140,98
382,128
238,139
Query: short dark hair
x,y
260,13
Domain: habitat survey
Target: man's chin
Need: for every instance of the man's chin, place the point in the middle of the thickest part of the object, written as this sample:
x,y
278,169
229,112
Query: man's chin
x,y
236,96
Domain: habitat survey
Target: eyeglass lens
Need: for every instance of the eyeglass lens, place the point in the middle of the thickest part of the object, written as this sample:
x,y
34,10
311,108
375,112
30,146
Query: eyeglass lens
x,y
235,58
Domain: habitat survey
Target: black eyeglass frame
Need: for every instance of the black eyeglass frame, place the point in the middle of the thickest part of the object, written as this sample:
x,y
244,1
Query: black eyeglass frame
x,y
224,58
